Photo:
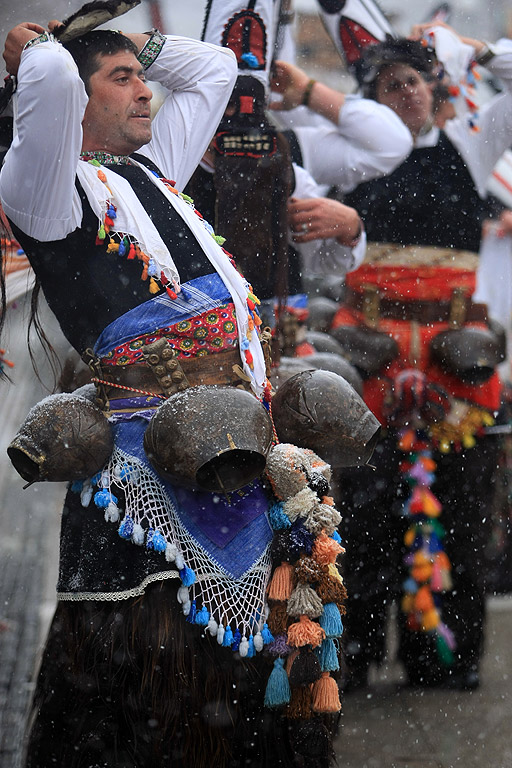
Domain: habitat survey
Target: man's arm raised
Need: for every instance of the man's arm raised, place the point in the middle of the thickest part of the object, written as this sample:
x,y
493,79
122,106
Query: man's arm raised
x,y
37,180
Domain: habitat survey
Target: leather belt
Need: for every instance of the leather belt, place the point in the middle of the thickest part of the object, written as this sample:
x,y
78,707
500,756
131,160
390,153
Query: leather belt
x,y
456,312
163,373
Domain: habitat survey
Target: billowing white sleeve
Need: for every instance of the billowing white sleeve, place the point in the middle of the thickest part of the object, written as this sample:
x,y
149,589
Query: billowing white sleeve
x,y
369,141
481,150
199,78
324,257
37,180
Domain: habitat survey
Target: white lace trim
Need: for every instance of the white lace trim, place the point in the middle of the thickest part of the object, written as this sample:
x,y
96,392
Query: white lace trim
x,y
237,602
124,595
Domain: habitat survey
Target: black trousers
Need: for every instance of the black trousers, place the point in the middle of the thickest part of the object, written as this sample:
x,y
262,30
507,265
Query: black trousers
x,y
373,529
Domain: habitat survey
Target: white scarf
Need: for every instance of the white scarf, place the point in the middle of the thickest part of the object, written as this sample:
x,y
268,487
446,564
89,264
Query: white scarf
x,y
132,219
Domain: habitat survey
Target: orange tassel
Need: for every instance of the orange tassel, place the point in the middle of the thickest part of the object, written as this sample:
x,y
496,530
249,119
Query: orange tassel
x,y
326,697
305,632
326,550
281,586
423,601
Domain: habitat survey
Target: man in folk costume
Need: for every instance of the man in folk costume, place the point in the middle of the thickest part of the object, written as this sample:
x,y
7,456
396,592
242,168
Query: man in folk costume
x,y
429,358
161,593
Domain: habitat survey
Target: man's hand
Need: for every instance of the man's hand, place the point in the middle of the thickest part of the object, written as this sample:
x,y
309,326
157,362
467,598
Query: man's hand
x,y
290,82
318,218
15,41
418,31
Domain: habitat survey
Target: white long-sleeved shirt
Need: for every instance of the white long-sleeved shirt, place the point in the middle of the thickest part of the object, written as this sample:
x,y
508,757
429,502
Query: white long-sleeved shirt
x,y
369,141
481,150
37,180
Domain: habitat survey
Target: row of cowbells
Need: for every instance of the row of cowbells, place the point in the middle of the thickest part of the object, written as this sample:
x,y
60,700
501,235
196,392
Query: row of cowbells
x,y
214,438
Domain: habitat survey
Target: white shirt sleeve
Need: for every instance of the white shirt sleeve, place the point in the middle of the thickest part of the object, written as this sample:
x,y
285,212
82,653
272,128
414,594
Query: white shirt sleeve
x,y
481,151
369,141
199,78
324,257
37,180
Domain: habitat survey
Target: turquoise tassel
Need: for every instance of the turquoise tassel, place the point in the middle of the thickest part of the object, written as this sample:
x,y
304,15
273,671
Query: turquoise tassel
x,y
278,688
103,498
328,656
125,530
202,617
187,576
159,543
228,638
278,520
336,537
267,635
330,620
251,650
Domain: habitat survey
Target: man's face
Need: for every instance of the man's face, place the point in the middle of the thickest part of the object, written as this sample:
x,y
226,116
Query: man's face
x,y
117,117
404,90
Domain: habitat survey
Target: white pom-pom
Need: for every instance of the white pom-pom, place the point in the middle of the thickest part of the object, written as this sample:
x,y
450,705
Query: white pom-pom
x,y
104,480
180,563
258,642
171,551
138,534
187,606
183,595
112,513
300,504
243,647
220,634
213,627
86,493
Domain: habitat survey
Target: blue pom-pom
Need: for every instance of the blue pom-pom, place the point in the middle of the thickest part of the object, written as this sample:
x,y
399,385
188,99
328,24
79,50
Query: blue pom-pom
x,y
410,586
187,576
76,486
301,540
245,343
235,645
191,618
111,212
125,530
336,537
250,59
122,248
159,542
103,498
228,637
95,479
328,656
277,518
330,620
278,687
266,634
20,251
202,617
251,651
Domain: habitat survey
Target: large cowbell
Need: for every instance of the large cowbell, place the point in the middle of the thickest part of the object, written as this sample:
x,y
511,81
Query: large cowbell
x,y
64,438
320,410
211,438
